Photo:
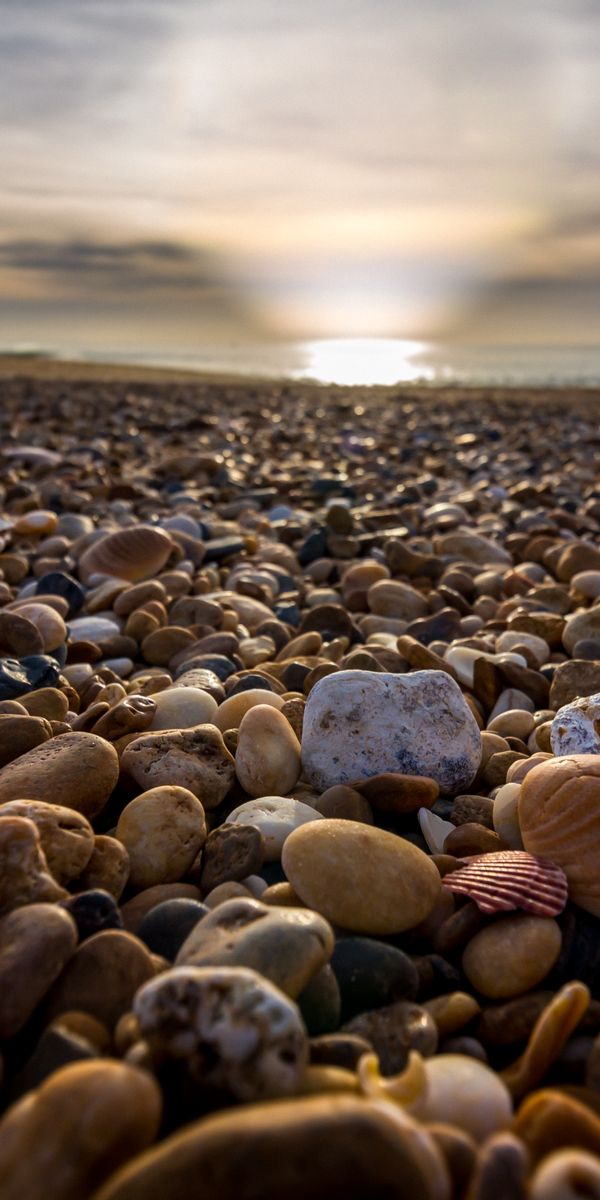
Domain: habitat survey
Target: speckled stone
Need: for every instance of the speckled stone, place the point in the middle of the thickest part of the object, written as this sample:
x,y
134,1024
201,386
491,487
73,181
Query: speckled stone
x,y
574,729
267,757
286,945
194,758
79,770
231,852
361,878
358,724
233,1030
276,817
394,1031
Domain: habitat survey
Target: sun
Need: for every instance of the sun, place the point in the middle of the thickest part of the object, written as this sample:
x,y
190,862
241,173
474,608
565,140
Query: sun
x,y
363,361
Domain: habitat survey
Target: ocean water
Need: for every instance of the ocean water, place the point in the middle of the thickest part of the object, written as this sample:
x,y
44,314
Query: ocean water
x,y
367,361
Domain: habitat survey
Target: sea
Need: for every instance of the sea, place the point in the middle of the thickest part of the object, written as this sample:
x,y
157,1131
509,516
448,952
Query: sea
x,y
362,361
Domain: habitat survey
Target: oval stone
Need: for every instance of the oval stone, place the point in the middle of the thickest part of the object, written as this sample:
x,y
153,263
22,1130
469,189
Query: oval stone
x,y
267,758
79,770
359,877
162,830
512,955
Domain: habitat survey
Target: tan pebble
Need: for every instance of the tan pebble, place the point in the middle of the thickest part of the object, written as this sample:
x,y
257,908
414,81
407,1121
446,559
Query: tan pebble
x,y
12,708
109,1112
472,838
195,758
267,758
229,890
518,770
86,1027
66,836
160,647
35,944
162,830
548,1120
46,702
559,815
78,769
140,624
286,945
24,874
512,955
390,598
102,977
18,735
133,911
107,868
36,523
131,554
133,714
359,877
230,713
513,723
281,894
18,636
452,1012
49,624
181,708
305,643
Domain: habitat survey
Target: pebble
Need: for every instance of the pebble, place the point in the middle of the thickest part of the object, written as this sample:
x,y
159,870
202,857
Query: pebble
x,y
512,955
234,1031
133,554
574,729
78,768
358,724
182,708
76,1129
24,874
231,852
267,757
165,928
102,977
286,945
394,1031
162,831
195,758
93,910
18,734
361,878
282,1144
276,817
35,944
371,974
108,866
66,836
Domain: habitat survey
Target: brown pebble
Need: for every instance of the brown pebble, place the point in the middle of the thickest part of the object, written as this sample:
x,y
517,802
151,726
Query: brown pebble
x,y
102,977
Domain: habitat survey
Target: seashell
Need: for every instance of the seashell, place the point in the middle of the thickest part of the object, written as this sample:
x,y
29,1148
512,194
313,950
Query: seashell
x,y
510,879
133,554
559,816
551,1031
434,829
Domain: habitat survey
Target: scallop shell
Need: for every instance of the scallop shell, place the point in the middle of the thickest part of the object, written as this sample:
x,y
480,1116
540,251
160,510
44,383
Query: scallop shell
x,y
511,879
134,554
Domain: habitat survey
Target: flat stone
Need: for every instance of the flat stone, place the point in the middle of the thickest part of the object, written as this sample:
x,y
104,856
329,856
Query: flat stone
x,y
358,724
79,770
182,707
394,792
19,734
361,878
286,945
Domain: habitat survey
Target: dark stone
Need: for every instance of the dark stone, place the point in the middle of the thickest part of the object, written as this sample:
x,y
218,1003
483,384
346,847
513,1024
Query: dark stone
x,y
231,852
339,1050
59,583
372,974
93,911
272,872
294,675
443,626
165,928
394,1031
319,1003
18,676
331,620
314,546
289,613
56,1048
248,682
224,547
580,953
218,664
437,976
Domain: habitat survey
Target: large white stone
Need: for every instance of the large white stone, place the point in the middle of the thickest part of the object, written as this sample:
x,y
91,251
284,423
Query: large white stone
x,y
360,723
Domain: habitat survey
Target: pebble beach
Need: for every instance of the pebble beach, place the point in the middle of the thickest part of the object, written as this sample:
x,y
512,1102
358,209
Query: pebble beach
x,y
299,789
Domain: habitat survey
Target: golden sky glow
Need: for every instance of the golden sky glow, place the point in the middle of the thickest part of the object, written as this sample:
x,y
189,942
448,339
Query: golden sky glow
x,y
179,171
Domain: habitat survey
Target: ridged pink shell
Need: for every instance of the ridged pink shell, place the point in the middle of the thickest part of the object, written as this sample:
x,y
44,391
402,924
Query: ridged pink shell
x,y
511,879
134,554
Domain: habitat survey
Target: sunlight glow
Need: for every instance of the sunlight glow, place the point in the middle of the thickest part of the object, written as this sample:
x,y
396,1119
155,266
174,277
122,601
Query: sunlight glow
x,y
364,361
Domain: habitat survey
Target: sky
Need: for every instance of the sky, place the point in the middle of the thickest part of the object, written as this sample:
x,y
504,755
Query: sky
x,y
194,171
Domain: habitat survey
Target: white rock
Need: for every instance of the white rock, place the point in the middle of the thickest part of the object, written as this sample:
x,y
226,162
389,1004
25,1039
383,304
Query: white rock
x,y
505,815
434,829
276,817
538,646
92,629
463,659
464,1092
182,707
574,729
360,723
587,583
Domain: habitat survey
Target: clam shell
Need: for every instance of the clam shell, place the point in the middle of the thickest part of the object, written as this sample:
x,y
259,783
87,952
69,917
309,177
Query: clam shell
x,y
511,879
134,554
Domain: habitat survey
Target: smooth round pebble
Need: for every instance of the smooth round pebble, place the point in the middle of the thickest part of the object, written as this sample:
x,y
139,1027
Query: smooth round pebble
x,y
512,955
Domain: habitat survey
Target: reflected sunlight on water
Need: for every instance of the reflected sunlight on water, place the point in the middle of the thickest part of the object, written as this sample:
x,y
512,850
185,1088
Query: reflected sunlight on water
x,y
363,361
